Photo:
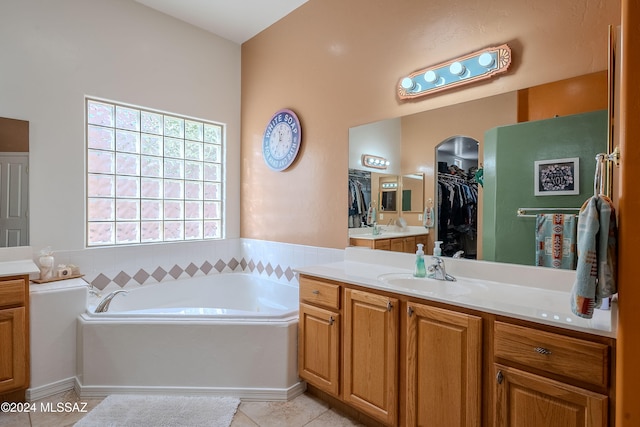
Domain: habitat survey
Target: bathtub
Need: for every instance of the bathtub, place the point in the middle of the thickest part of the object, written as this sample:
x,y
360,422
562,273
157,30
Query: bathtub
x,y
228,334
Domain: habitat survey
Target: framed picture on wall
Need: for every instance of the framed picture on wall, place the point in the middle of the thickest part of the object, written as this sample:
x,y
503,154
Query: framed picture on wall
x,y
558,177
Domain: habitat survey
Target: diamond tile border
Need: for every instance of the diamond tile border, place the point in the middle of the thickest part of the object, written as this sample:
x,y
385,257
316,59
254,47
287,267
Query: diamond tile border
x,y
175,272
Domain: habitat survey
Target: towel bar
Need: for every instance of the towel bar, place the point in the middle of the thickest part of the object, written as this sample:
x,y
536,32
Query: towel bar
x,y
522,212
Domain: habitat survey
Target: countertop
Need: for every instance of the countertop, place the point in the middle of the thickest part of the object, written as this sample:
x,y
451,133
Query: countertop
x,y
536,294
18,267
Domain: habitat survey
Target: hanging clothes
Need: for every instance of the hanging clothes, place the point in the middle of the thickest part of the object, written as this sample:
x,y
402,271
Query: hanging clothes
x,y
457,213
556,241
359,198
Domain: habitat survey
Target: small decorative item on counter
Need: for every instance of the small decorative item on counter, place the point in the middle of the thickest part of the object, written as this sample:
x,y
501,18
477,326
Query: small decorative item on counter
x,y
75,270
46,262
64,271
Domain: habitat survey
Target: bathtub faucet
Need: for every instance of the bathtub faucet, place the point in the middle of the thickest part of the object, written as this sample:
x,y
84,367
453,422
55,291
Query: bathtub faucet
x,y
104,304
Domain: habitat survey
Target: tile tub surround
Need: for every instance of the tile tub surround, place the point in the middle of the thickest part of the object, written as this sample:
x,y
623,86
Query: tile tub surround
x,y
114,268
535,294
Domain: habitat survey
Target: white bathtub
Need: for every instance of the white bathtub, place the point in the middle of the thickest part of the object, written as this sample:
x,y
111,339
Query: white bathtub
x,y
228,334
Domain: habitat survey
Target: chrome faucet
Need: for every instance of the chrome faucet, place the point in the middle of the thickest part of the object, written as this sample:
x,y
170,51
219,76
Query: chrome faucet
x,y
104,304
437,270
93,291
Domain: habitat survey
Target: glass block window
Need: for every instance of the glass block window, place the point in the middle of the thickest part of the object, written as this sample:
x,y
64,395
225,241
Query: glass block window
x,y
151,176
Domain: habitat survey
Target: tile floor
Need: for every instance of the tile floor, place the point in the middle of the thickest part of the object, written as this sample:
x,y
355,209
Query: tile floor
x,y
304,410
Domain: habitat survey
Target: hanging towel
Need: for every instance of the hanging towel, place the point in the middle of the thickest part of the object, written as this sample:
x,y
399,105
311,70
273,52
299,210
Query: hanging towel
x,y
427,218
597,256
556,241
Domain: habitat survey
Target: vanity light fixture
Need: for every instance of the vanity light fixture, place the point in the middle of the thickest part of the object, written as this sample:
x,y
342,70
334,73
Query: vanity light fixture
x,y
456,72
374,161
387,185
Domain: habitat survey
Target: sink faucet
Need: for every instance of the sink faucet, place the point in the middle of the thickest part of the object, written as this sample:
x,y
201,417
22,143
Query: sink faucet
x,y
458,255
104,304
437,270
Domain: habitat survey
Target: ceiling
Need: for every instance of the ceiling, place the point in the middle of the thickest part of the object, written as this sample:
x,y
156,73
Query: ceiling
x,y
235,20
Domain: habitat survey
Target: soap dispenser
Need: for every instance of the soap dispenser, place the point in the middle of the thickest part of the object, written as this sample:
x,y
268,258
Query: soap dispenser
x,y
420,270
436,249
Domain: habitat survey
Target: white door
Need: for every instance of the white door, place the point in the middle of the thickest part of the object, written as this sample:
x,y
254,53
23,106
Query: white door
x,y
14,199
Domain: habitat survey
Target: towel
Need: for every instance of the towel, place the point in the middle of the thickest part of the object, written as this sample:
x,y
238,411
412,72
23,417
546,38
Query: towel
x,y
556,241
597,256
427,218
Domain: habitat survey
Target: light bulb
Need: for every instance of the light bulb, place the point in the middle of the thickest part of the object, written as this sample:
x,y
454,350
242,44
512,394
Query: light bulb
x,y
430,76
407,83
457,69
486,60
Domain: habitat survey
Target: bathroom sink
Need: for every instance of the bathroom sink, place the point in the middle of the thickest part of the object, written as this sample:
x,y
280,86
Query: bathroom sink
x,y
431,286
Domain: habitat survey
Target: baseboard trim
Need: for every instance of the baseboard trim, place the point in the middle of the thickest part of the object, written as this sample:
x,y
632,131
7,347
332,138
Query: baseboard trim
x,y
246,394
41,392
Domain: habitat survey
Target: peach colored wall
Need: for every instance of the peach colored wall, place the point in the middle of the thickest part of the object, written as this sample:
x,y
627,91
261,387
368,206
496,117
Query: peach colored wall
x,y
337,64
569,96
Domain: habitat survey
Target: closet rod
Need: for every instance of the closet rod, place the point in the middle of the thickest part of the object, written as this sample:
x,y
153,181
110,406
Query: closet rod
x,y
453,177
522,212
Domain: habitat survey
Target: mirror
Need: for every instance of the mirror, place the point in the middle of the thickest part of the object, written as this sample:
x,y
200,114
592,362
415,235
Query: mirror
x,y
14,191
410,142
412,195
388,185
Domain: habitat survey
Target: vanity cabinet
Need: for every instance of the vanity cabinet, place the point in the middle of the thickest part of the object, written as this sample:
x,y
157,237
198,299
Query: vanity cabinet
x,y
444,367
371,354
397,244
14,336
544,378
319,334
404,360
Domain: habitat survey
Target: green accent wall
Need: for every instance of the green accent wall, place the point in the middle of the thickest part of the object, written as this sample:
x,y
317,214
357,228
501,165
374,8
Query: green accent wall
x,y
509,156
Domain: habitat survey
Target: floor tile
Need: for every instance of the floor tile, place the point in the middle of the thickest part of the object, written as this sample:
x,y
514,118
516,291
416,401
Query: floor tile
x,y
241,420
14,419
295,413
332,418
304,410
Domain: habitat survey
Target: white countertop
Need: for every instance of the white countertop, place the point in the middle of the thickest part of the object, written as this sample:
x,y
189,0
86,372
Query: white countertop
x,y
535,294
18,267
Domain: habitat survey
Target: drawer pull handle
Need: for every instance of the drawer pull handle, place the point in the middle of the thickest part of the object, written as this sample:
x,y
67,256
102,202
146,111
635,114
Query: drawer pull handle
x,y
315,292
542,350
331,321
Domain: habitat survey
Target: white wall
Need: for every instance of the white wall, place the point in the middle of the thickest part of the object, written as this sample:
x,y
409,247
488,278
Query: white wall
x,y
381,139
54,52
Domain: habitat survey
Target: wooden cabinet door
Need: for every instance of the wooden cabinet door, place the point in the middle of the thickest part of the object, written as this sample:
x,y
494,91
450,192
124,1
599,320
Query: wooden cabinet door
x,y
422,238
444,360
409,245
397,245
13,349
370,337
527,400
318,348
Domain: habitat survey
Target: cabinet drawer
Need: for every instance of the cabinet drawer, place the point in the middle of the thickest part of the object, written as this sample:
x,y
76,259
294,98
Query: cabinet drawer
x,y
570,357
12,292
319,293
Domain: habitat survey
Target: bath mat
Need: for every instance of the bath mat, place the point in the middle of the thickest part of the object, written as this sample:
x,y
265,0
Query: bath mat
x,y
160,411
